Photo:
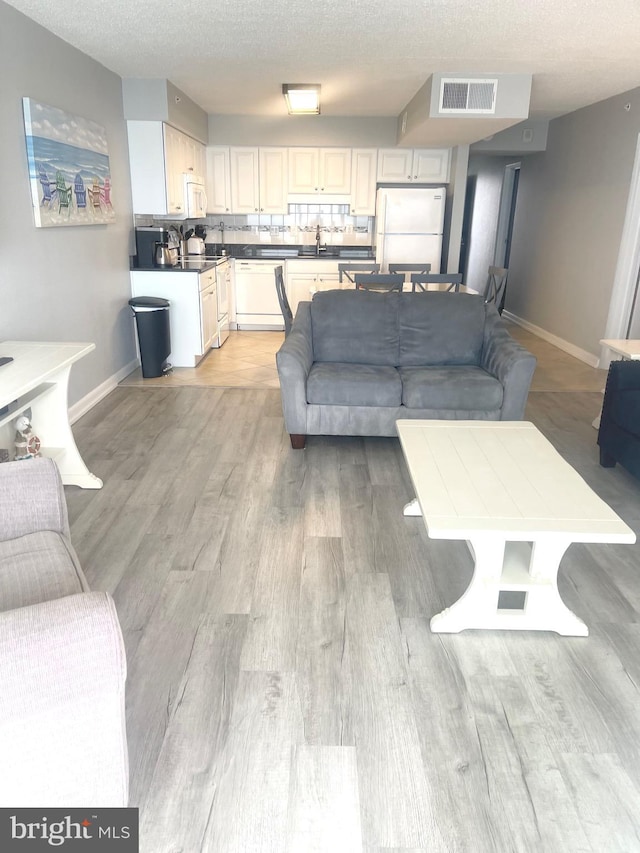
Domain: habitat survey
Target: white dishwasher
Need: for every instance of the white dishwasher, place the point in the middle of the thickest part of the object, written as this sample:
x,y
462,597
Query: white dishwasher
x,y
257,305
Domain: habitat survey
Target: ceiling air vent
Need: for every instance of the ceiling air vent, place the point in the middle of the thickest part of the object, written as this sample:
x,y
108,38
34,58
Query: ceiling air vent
x,y
467,96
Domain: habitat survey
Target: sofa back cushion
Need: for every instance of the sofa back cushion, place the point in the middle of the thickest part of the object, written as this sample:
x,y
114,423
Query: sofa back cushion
x,y
440,328
355,326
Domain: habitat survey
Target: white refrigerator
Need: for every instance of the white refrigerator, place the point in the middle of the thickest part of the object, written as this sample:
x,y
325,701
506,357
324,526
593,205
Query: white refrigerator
x,y
409,224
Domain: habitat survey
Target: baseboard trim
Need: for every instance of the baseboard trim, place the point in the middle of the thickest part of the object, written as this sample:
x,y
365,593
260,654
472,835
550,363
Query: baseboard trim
x,y
581,354
93,397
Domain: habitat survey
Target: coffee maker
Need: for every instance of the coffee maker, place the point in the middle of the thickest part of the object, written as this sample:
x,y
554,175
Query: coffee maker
x,y
146,239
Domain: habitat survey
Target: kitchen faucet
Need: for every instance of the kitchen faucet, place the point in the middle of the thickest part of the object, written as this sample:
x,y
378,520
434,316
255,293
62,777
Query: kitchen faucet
x,y
317,239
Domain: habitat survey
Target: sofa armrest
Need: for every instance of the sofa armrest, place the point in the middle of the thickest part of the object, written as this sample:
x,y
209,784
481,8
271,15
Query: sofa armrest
x,y
509,362
62,722
294,360
621,403
31,499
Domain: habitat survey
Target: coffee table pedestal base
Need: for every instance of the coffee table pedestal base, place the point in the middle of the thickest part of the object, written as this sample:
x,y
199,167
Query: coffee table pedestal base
x,y
528,568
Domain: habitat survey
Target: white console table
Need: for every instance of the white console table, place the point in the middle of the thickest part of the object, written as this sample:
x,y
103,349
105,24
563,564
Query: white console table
x,y
38,379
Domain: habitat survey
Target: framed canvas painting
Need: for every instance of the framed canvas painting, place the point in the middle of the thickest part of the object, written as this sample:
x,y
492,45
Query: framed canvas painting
x,y
69,172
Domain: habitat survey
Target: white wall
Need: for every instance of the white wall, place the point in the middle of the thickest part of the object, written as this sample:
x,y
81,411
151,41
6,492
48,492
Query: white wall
x,y
68,283
569,218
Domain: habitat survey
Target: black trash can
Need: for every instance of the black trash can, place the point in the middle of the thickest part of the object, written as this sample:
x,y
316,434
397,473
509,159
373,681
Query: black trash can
x,y
154,335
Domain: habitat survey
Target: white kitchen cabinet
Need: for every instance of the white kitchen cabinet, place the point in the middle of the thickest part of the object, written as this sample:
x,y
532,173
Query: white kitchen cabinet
x,y
192,310
306,277
320,171
364,162
218,179
159,156
407,165
208,309
258,180
273,180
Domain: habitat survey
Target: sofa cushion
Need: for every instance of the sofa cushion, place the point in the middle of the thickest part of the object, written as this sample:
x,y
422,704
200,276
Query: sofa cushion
x,y
355,327
340,384
459,387
440,328
37,567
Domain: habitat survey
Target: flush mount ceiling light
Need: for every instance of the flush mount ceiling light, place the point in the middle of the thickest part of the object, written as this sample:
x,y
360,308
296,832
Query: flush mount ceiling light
x,y
302,98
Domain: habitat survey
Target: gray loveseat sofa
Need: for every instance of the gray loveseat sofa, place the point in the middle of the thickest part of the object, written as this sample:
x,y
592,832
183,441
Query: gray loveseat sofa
x,y
356,361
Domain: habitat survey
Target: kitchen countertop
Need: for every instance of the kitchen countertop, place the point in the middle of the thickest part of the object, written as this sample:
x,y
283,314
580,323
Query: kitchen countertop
x,y
195,264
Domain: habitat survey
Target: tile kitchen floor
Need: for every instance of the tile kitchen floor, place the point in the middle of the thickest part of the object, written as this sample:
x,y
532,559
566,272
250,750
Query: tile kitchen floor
x,y
246,360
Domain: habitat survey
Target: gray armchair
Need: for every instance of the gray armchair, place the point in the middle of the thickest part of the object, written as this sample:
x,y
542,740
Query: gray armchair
x,y
62,659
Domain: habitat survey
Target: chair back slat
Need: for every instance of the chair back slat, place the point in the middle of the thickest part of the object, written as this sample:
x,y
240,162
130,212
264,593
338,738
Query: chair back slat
x,y
383,282
420,281
348,270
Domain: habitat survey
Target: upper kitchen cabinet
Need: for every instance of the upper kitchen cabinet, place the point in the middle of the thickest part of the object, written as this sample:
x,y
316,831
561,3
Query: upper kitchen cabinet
x,y
320,171
159,157
218,179
363,181
409,166
258,178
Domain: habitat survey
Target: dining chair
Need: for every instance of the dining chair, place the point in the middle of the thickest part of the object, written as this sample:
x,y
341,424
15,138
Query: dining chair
x,y
496,287
287,313
349,269
420,281
423,268
382,282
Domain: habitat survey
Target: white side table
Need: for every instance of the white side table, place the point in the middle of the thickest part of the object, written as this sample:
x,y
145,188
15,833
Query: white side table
x,y
38,379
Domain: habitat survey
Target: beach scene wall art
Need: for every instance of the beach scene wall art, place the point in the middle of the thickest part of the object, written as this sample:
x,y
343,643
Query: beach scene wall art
x,y
69,172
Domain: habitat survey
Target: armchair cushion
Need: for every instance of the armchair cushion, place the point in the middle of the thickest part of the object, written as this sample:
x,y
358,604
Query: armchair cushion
x,y
38,567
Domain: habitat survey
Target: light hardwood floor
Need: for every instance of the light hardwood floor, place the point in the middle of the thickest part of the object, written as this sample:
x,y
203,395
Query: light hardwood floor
x,y
285,692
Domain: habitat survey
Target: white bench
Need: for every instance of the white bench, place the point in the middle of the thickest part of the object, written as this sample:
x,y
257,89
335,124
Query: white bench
x,y
503,488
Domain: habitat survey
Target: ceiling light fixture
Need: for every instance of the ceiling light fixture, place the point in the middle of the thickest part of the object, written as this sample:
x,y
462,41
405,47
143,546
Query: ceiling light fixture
x,y
302,98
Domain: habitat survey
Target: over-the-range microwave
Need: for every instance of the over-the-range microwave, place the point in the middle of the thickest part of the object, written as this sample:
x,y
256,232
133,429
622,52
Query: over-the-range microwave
x,y
195,196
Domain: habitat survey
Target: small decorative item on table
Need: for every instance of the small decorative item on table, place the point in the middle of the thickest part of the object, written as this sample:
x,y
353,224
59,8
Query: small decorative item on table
x,y
4,455
27,444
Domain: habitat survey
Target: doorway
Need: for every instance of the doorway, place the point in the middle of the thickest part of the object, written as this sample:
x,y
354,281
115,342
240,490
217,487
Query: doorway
x,y
506,215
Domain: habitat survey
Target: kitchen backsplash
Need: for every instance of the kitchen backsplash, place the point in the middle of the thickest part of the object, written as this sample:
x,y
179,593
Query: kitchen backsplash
x,y
337,226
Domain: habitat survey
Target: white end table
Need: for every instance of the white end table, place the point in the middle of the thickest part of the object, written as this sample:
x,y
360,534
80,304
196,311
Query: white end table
x,y
502,487
38,379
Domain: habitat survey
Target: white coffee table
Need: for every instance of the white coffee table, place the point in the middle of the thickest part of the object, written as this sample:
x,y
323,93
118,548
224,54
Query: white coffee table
x,y
503,488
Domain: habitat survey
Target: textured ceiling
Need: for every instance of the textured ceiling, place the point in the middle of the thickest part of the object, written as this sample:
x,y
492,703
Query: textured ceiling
x,y
371,56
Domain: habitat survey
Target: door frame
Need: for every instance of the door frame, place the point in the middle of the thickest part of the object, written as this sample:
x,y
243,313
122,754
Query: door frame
x,y
506,212
625,279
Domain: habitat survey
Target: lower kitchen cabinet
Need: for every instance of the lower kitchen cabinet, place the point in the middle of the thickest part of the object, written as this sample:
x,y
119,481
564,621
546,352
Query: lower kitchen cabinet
x,y
192,311
256,298
305,277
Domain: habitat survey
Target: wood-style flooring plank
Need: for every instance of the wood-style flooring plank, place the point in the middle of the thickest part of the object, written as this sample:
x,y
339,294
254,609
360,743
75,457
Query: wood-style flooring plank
x,y
396,799
157,669
253,774
324,810
183,787
271,638
323,682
